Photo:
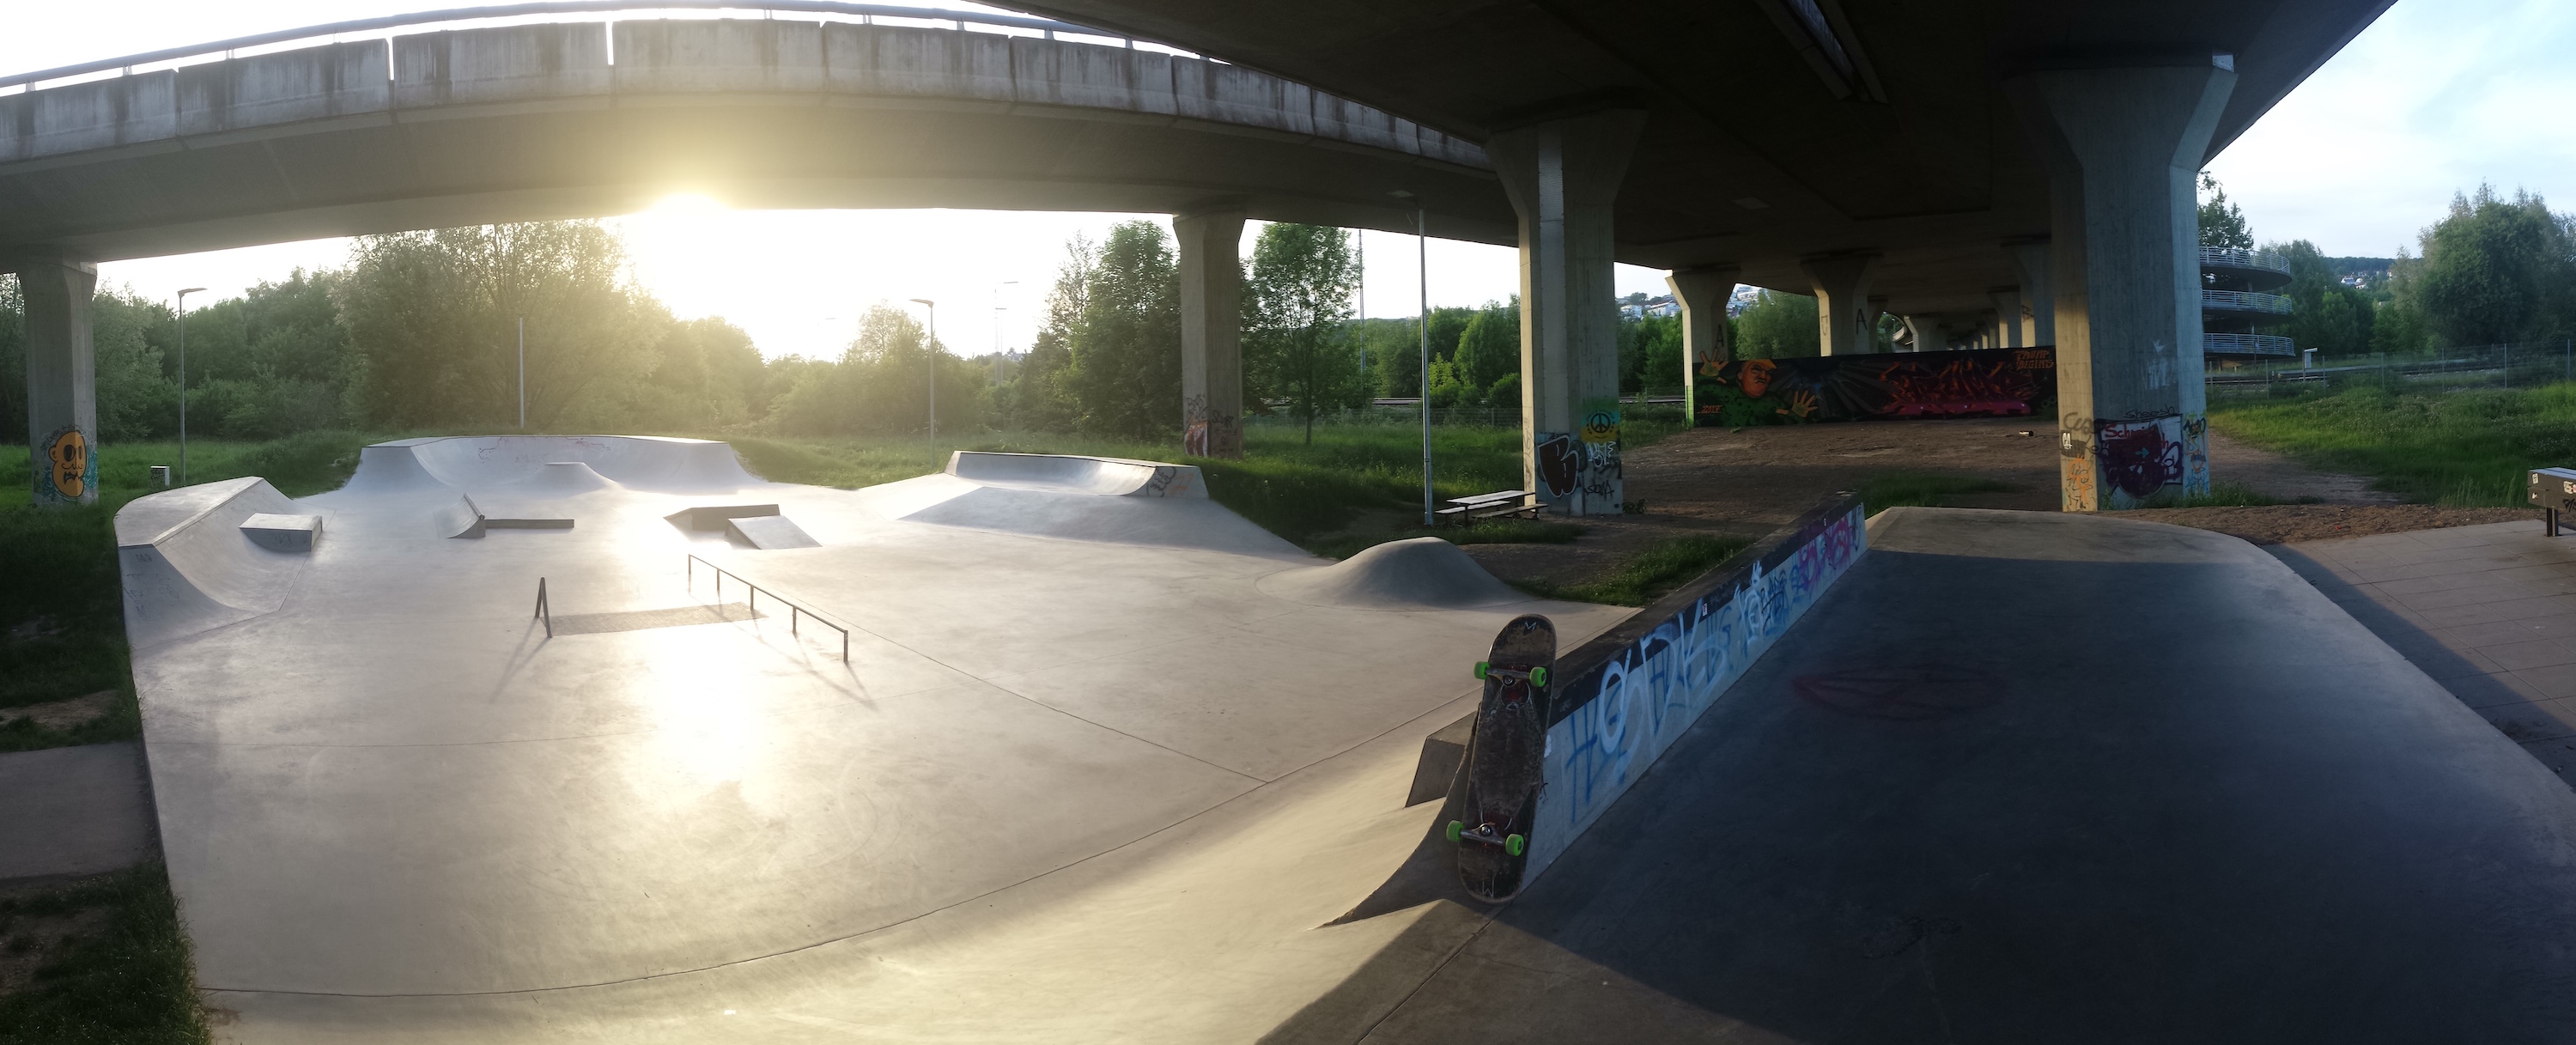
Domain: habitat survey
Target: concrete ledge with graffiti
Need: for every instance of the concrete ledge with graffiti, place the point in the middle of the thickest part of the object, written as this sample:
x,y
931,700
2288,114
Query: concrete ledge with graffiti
x,y
1986,382
1626,695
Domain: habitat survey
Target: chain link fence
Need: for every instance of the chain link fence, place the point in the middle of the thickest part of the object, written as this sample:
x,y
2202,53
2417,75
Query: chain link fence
x,y
1655,403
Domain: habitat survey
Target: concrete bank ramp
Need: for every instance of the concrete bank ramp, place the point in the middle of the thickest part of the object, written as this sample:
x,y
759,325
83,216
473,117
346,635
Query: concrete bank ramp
x,y
190,566
2034,777
1076,498
551,464
1420,573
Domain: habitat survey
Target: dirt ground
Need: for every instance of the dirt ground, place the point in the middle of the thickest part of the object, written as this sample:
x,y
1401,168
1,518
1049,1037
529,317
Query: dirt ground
x,y
1747,482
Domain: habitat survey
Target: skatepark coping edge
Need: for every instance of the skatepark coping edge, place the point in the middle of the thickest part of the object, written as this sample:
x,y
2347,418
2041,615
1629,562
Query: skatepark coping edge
x,y
1627,694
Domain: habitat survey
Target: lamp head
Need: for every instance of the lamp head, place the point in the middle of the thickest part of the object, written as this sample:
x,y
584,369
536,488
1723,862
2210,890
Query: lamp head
x,y
925,301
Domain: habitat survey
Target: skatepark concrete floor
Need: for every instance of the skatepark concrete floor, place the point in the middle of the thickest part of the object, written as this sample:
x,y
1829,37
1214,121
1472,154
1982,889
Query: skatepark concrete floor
x,y
1104,765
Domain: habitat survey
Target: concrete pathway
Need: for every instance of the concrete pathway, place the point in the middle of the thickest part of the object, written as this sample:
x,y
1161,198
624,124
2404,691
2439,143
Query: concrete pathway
x,y
2490,611
73,811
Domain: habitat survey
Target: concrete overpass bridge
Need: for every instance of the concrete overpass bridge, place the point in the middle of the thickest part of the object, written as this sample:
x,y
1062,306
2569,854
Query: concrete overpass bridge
x,y
2025,160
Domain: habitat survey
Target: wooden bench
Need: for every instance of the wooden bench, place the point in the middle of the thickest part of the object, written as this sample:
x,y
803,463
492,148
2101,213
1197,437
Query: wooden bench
x,y
1494,505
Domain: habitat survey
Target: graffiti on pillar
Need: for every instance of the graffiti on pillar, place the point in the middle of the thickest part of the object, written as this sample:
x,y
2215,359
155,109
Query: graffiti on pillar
x,y
1208,434
68,470
2139,456
1601,468
2195,453
2076,492
1560,464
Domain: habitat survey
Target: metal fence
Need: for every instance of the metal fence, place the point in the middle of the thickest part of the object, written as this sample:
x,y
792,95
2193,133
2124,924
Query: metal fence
x,y
1656,404
2520,365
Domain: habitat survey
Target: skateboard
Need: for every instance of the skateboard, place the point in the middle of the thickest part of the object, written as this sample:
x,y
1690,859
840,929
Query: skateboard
x,y
1504,769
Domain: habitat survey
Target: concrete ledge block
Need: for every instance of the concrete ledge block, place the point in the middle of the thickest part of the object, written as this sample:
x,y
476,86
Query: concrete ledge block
x,y
283,533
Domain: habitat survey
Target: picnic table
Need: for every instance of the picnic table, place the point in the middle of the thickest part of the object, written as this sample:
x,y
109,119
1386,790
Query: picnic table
x,y
1490,506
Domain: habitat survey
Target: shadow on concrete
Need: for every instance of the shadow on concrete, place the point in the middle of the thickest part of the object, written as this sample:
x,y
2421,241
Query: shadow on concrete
x,y
2181,801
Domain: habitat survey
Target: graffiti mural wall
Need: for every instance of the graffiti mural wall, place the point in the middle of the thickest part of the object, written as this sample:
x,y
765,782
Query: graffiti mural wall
x,y
1628,694
1991,382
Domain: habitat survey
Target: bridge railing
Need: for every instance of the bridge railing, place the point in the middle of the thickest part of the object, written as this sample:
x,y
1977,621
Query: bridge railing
x,y
430,21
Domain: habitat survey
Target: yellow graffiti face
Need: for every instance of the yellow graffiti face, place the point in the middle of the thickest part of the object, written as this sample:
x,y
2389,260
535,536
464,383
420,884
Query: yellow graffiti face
x,y
67,454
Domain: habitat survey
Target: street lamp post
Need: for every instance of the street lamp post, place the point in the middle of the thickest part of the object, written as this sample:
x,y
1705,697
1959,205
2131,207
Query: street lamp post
x,y
183,382
932,359
998,309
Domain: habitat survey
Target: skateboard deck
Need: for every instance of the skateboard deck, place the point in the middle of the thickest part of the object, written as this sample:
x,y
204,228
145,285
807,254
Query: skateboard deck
x,y
1504,768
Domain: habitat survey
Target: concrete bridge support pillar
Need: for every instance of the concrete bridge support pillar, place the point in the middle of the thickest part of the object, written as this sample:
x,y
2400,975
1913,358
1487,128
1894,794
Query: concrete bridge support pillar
x,y
2008,319
1845,323
62,382
1928,335
1702,293
2038,304
2123,147
1562,176
1211,266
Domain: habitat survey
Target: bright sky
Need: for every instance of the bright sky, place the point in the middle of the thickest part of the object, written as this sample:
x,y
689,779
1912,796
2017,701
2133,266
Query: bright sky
x,y
2435,97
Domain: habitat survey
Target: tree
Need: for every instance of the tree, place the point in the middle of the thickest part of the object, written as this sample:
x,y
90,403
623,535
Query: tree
x,y
2221,223
1395,347
2324,313
1488,350
1036,397
435,317
1777,326
881,384
1650,354
1297,293
1125,372
2495,270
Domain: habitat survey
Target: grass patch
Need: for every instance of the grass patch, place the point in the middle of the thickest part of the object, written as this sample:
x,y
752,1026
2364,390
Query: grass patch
x,y
1898,489
63,606
124,978
2462,449
1510,531
1648,576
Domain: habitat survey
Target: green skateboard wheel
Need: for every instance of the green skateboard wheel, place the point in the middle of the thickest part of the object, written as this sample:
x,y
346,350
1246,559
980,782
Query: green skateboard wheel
x,y
1515,844
1480,670
1455,828
1538,676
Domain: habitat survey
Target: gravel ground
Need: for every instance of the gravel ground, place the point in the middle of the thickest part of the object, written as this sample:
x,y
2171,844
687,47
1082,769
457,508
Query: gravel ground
x,y
1747,482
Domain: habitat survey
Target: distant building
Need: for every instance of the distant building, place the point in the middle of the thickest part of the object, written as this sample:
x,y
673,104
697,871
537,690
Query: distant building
x,y
1639,306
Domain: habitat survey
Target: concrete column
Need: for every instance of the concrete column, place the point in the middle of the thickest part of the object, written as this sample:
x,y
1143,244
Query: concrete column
x,y
2123,147
1702,294
2038,304
1561,176
62,382
1845,326
1928,336
1211,265
2008,318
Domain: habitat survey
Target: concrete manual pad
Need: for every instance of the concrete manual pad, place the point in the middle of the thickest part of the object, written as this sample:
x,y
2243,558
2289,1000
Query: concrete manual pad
x,y
73,811
1059,751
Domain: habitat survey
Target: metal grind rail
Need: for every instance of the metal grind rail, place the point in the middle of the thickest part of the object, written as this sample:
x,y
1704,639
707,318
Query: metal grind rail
x,y
793,610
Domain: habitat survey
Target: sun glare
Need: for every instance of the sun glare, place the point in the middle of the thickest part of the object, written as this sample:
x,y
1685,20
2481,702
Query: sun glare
x,y
687,203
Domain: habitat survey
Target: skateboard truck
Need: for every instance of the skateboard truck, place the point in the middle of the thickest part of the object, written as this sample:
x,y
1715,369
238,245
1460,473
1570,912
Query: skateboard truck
x,y
1486,834
1534,676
